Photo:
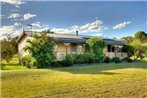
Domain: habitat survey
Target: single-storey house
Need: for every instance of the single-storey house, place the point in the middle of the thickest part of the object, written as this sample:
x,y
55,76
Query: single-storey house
x,y
72,44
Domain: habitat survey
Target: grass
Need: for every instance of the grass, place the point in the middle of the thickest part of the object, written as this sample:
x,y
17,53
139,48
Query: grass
x,y
13,64
126,80
10,67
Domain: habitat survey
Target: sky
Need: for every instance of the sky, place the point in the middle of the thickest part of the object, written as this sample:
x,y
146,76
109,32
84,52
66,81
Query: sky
x,y
93,18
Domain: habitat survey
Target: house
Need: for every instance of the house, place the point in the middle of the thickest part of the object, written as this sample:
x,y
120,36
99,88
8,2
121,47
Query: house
x,y
72,44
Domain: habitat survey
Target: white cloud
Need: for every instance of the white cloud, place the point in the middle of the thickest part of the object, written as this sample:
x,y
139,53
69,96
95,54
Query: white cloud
x,y
93,27
36,24
28,16
121,25
14,16
11,30
17,24
13,2
6,29
2,16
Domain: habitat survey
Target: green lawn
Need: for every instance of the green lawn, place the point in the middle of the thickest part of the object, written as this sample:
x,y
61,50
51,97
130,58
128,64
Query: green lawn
x,y
13,64
127,80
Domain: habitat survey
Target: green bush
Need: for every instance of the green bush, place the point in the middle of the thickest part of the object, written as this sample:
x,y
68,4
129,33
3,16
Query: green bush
x,y
57,64
90,58
78,59
96,46
126,59
107,59
27,61
116,60
68,61
100,58
84,58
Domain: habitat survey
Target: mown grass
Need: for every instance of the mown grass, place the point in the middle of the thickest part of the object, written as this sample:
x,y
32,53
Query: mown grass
x,y
126,80
12,65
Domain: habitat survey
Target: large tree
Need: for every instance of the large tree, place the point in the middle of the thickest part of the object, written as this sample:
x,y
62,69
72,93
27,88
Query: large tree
x,y
139,48
96,47
127,39
41,48
7,50
141,35
14,43
129,49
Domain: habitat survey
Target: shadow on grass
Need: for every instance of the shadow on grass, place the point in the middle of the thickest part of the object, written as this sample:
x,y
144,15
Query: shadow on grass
x,y
101,68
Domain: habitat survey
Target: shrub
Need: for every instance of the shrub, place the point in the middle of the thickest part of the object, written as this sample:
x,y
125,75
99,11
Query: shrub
x,y
96,47
57,64
116,60
78,59
84,58
90,58
68,61
107,59
41,48
100,58
27,61
127,59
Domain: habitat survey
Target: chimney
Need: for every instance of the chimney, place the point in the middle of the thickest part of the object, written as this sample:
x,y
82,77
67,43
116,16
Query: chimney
x,y
76,33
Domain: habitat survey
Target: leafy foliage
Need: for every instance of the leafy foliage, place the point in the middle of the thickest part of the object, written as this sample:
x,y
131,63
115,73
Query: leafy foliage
x,y
68,61
27,61
141,35
7,50
41,47
116,60
127,59
136,46
48,31
9,47
96,47
139,49
129,49
84,58
127,39
57,64
107,59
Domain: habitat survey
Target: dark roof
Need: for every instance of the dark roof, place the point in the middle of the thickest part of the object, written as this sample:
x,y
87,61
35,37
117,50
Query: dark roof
x,y
72,39
83,40
113,42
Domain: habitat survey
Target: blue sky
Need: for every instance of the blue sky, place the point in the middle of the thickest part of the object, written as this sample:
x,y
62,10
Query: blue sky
x,y
107,19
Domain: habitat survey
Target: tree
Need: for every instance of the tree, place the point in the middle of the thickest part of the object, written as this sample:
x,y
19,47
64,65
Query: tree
x,y
129,49
139,49
96,47
14,43
48,31
7,50
41,48
127,39
141,35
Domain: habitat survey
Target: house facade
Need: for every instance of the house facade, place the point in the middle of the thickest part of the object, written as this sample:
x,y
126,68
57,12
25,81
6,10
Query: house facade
x,y
72,44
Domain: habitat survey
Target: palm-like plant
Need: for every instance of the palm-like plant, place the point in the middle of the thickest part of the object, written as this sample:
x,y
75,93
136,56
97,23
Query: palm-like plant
x,y
41,48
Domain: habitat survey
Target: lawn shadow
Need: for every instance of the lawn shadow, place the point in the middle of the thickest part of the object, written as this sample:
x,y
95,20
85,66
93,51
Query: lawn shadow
x,y
101,68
